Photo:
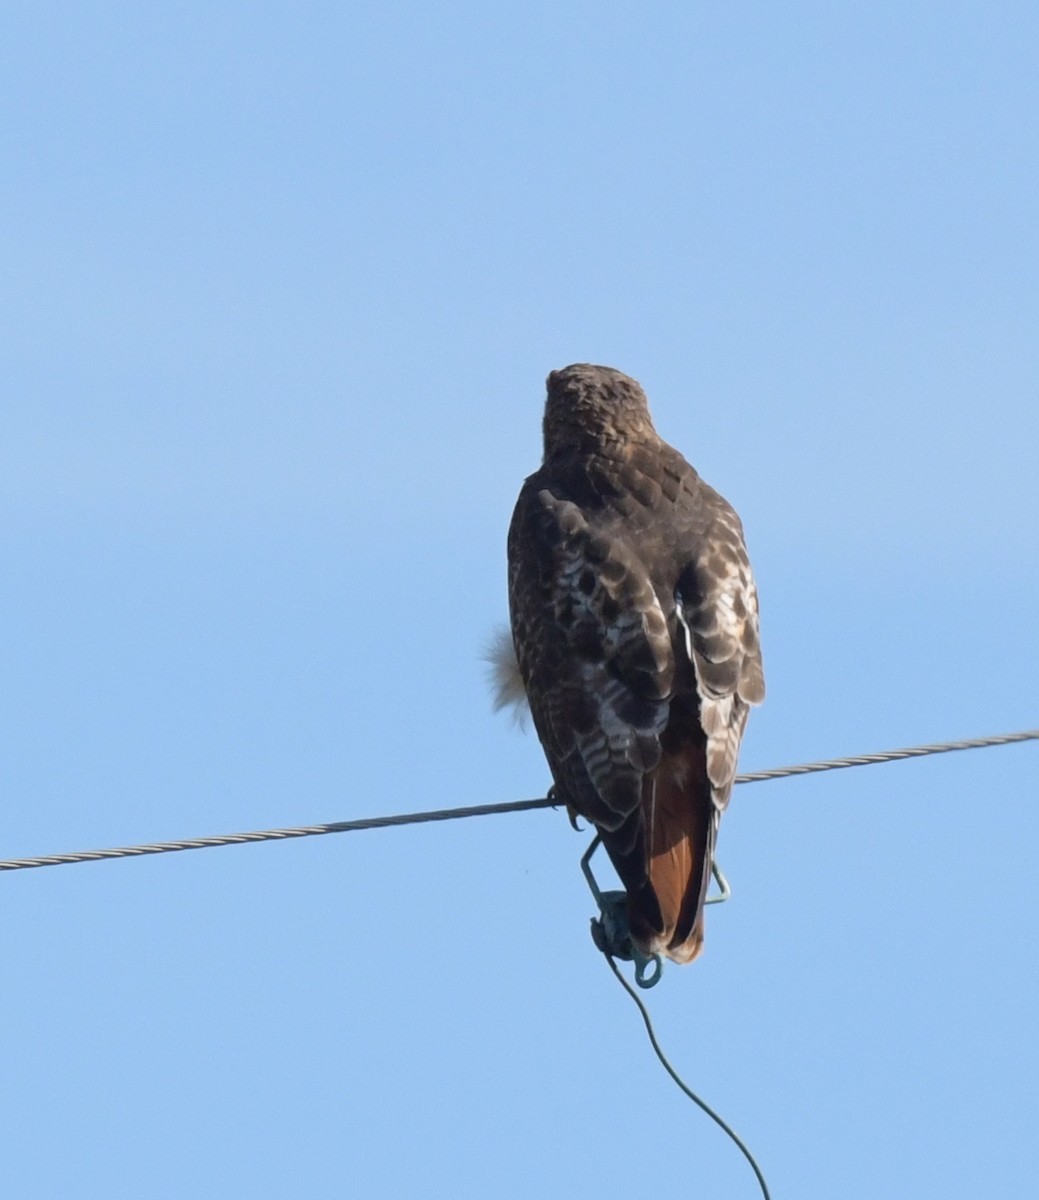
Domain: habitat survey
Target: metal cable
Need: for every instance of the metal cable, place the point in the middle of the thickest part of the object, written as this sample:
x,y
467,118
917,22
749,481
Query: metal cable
x,y
481,810
683,1085
865,760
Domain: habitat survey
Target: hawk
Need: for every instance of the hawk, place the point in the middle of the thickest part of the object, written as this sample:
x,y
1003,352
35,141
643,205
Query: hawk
x,y
635,628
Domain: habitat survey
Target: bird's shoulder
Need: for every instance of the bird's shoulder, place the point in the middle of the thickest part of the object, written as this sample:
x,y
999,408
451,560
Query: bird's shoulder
x,y
634,491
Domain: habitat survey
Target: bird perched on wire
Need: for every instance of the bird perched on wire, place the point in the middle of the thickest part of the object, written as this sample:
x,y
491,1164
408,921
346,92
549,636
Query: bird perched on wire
x,y
635,629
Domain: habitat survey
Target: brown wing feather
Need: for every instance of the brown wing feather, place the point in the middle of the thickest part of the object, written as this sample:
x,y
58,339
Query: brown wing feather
x,y
595,653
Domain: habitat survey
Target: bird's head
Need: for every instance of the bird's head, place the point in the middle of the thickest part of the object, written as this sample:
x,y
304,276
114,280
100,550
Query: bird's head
x,y
590,406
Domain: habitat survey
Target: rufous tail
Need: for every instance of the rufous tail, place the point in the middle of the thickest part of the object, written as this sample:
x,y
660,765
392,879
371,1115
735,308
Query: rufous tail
x,y
666,913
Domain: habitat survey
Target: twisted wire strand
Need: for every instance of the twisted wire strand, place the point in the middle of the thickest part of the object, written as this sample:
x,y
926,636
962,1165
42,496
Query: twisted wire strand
x,y
482,810
882,756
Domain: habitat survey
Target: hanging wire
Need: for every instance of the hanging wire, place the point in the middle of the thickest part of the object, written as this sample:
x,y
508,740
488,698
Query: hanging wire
x,y
482,810
719,1121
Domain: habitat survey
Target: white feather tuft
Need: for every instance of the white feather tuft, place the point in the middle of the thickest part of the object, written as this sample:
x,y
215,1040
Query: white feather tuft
x,y
506,680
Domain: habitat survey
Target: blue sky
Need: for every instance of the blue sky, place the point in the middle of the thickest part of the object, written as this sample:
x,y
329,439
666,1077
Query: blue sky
x,y
282,284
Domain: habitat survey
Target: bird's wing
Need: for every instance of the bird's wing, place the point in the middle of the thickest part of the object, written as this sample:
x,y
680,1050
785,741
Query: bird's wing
x,y
717,605
595,654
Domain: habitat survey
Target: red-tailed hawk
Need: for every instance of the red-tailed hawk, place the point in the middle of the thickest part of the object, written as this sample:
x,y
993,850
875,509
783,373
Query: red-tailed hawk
x,y
635,627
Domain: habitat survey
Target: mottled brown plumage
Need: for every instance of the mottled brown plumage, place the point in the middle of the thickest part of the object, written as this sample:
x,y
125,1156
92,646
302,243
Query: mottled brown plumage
x,y
635,625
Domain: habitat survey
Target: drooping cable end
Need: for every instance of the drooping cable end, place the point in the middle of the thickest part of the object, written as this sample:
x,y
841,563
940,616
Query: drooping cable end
x,y
611,931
